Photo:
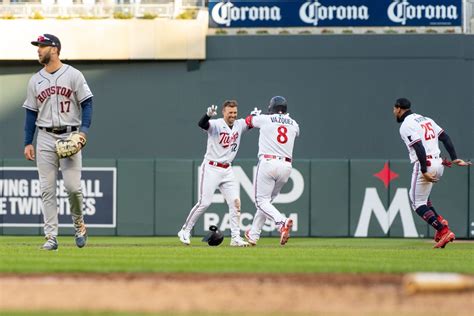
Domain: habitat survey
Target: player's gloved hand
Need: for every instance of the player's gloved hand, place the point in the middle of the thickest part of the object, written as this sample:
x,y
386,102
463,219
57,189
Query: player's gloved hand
x,y
255,112
447,163
461,162
430,177
71,145
212,110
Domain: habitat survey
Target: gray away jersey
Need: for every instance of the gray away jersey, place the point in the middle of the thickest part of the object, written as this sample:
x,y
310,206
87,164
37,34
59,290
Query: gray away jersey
x,y
57,97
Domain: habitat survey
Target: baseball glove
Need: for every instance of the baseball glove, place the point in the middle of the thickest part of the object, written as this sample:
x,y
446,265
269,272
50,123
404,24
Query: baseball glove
x,y
70,146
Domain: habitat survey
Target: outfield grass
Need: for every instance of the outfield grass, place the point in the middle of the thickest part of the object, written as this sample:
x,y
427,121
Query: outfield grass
x,y
300,255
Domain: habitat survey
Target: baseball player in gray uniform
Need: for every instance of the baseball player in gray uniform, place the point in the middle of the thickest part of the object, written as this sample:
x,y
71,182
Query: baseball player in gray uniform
x,y
59,103
222,145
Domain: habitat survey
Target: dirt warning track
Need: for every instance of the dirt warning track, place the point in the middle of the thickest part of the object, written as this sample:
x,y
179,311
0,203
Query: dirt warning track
x,y
292,294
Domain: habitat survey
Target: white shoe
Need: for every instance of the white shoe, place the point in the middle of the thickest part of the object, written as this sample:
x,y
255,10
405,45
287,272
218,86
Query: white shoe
x,y
184,237
238,242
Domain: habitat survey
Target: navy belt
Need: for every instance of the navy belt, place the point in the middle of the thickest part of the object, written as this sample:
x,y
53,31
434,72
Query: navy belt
x,y
59,130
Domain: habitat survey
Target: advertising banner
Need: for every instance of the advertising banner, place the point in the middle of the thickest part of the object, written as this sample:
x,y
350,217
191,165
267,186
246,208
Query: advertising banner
x,y
379,200
335,13
21,206
293,201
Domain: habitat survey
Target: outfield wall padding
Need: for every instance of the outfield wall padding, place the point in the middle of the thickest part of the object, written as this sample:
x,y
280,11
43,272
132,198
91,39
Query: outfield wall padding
x,y
326,198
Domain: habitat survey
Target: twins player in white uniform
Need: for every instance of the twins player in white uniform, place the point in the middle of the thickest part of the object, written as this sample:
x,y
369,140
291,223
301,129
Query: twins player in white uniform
x,y
421,135
275,152
58,102
216,171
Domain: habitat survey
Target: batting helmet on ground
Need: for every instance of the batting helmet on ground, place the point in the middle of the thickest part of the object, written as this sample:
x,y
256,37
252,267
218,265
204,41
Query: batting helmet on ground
x,y
277,105
214,237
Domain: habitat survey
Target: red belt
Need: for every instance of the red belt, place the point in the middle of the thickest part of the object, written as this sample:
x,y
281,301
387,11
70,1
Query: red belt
x,y
431,157
218,164
277,157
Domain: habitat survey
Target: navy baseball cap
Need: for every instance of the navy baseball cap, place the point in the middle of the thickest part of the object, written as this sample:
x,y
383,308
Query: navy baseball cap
x,y
47,40
403,103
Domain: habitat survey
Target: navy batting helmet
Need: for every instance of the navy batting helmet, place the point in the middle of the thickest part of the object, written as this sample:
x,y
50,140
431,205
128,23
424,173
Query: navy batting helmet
x,y
214,237
277,105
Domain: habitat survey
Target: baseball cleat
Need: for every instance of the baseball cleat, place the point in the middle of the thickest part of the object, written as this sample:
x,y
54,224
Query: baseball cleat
x,y
50,244
437,235
446,236
81,241
250,240
81,233
285,231
238,242
184,237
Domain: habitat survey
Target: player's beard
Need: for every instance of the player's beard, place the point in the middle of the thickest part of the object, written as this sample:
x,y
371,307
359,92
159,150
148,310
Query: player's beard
x,y
45,59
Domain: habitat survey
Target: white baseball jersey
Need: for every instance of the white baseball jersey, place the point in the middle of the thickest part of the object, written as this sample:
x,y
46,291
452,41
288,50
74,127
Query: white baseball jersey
x,y
223,141
277,134
57,97
417,128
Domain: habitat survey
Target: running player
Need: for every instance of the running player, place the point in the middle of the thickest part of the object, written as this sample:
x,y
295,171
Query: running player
x,y
275,152
421,135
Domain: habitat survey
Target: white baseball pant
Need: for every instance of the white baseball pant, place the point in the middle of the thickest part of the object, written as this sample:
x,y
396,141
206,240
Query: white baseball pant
x,y
420,188
213,177
271,176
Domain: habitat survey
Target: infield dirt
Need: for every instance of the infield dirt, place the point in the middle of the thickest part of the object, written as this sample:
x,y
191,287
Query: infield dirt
x,y
254,294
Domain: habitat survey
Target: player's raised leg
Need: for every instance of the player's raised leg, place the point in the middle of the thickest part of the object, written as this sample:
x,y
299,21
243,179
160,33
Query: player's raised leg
x,y
441,219
253,235
281,180
270,178
419,192
264,185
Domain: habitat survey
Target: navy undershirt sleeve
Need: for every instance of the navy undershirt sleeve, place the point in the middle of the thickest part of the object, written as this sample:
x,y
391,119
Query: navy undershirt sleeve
x,y
448,144
30,126
421,154
86,115
204,122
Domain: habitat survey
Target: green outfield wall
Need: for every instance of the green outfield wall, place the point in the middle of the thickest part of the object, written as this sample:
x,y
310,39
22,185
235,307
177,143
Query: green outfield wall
x,y
326,198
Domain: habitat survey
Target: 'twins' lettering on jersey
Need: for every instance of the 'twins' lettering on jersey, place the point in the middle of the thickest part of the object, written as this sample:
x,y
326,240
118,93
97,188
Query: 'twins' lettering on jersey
x,y
223,141
417,128
226,139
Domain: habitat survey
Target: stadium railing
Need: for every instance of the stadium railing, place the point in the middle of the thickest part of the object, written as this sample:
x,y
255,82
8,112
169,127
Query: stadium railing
x,y
159,8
